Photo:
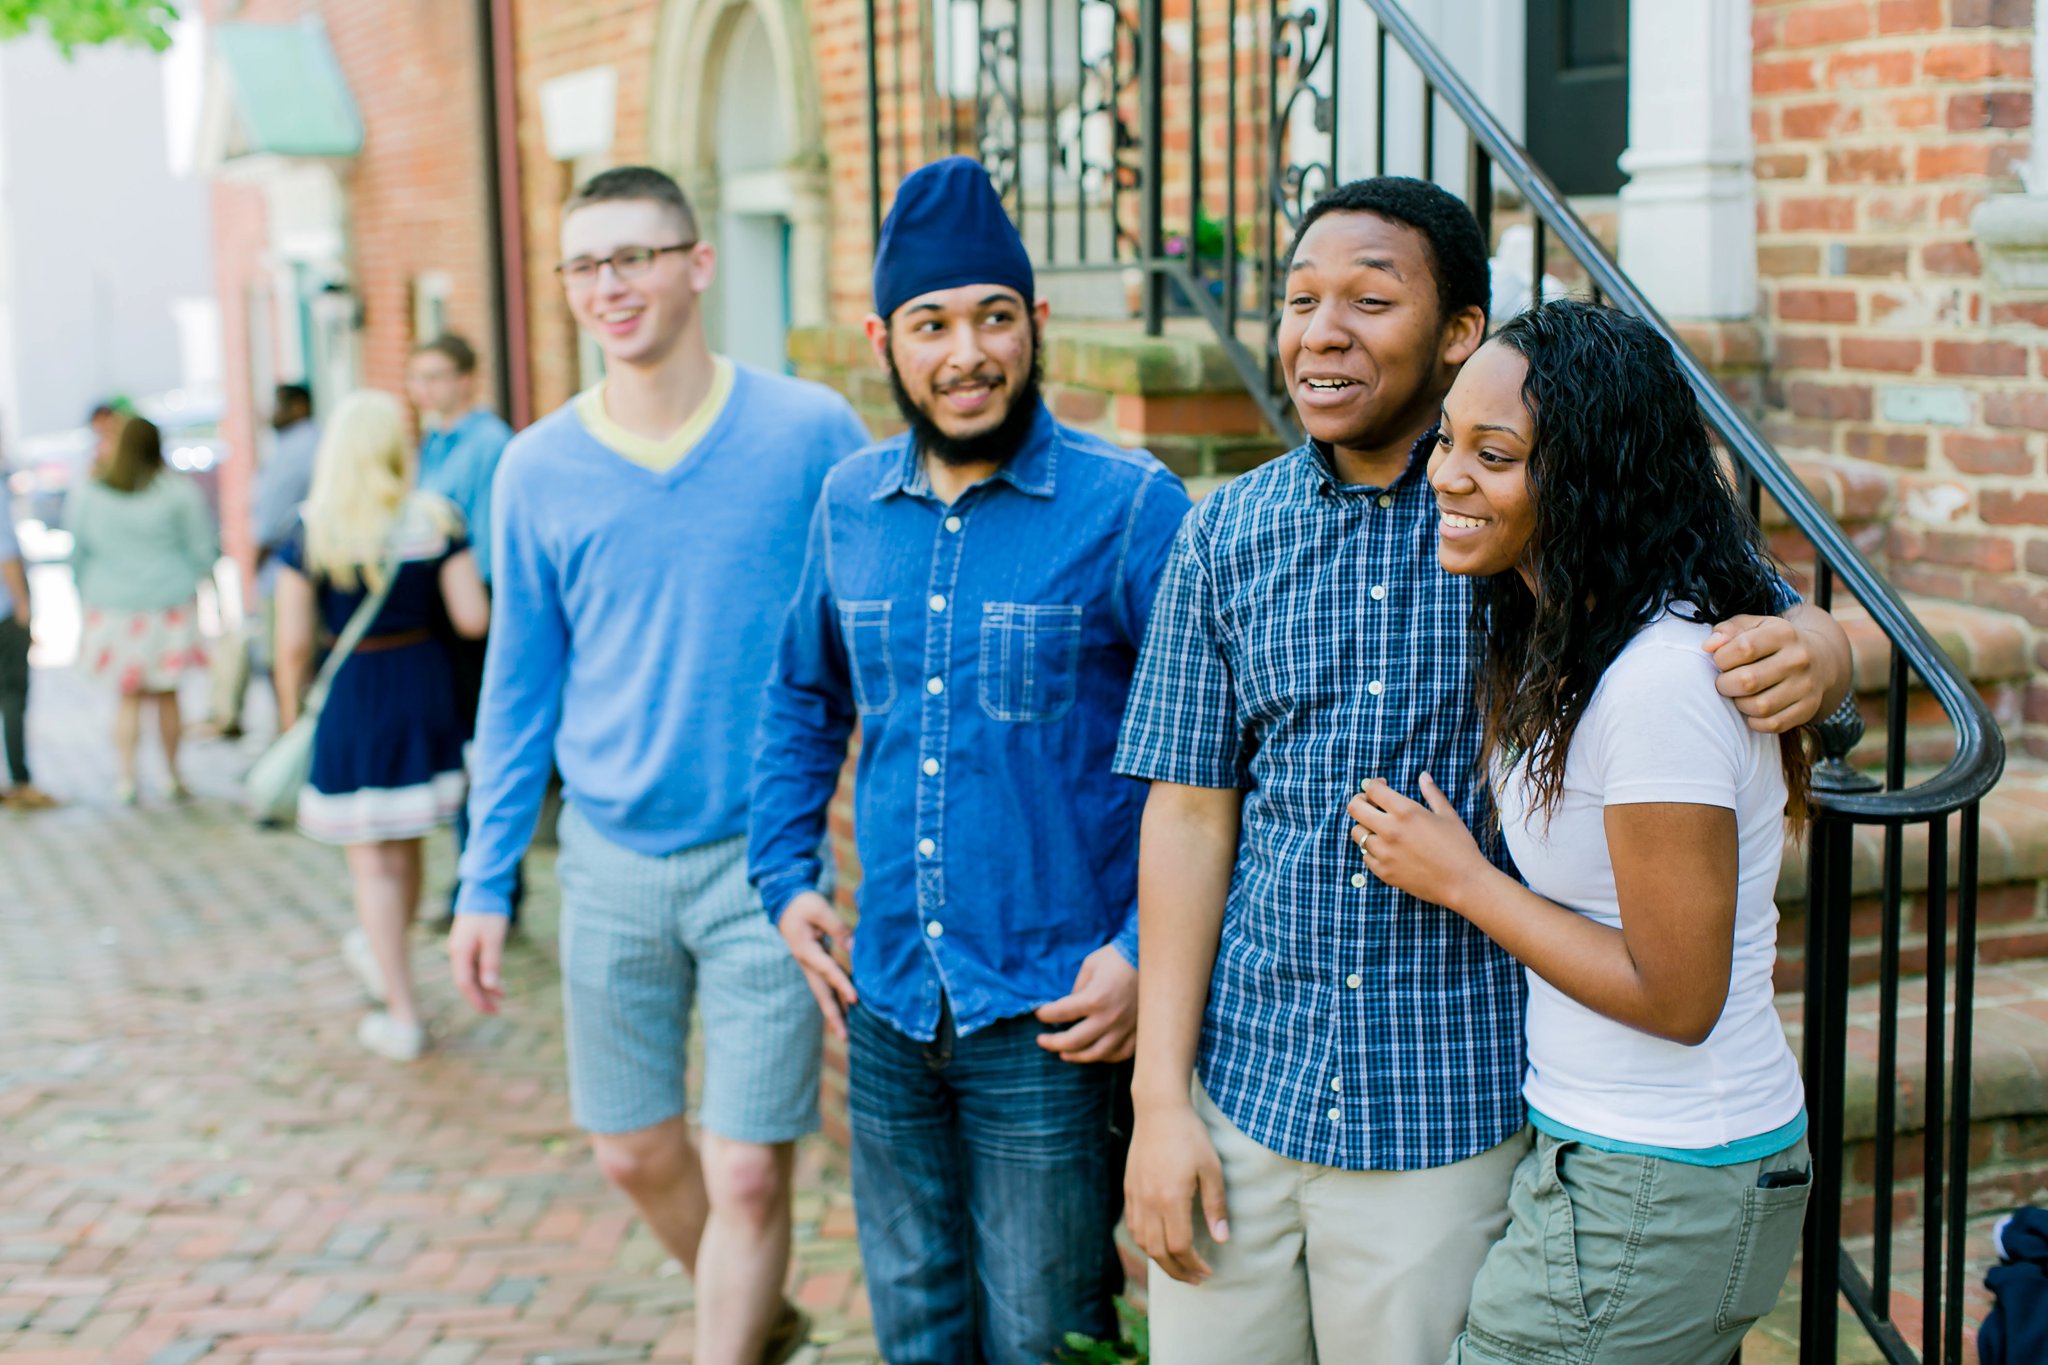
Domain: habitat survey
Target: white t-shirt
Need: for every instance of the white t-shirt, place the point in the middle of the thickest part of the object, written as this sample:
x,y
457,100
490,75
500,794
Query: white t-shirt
x,y
1657,731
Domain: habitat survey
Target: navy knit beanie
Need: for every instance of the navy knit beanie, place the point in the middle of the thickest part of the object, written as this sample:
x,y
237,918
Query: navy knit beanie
x,y
947,228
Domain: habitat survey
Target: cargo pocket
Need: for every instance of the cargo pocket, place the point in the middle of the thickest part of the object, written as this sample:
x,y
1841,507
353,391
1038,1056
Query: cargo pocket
x,y
1566,1291
865,628
1029,654
1771,1223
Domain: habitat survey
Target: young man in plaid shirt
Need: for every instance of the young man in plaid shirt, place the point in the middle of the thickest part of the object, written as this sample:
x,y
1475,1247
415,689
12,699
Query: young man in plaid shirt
x,y
1330,1071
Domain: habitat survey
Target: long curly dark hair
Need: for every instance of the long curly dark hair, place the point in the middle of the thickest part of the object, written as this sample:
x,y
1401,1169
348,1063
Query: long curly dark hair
x,y
1633,512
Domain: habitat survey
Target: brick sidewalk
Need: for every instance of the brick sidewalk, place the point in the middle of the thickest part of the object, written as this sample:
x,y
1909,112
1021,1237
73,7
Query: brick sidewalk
x,y
198,1164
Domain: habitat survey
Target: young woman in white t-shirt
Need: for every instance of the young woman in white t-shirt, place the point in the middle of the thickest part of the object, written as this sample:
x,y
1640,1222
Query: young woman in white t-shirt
x,y
1657,1216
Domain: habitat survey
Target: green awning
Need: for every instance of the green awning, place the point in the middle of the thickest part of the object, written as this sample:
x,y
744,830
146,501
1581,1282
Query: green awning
x,y
286,91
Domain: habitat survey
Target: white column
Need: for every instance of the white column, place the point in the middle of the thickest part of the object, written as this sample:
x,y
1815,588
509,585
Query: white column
x,y
2012,229
1688,212
2037,164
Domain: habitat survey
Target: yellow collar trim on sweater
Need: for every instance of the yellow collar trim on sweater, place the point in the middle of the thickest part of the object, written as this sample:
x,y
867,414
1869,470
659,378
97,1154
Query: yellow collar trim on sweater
x,y
667,452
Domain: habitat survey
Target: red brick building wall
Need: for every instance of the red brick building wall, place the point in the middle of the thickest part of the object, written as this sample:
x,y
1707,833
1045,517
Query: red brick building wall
x,y
240,230
418,193
1880,126
553,40
416,202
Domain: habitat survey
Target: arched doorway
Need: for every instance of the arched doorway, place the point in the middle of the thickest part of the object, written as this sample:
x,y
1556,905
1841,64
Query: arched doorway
x,y
736,119
753,200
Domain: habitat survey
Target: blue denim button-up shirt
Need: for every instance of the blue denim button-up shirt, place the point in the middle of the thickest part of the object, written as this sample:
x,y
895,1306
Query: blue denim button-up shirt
x,y
986,649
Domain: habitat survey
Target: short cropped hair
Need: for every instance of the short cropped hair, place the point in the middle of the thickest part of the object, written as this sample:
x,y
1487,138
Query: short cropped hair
x,y
1457,250
457,351
635,182
295,393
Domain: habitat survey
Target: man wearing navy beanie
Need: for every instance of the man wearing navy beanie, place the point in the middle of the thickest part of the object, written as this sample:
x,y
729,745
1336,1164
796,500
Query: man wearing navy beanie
x,y
974,594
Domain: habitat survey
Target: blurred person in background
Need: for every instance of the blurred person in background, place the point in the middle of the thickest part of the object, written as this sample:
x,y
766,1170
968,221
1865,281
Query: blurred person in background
x,y
21,793
460,445
460,439
387,756
142,539
105,420
283,482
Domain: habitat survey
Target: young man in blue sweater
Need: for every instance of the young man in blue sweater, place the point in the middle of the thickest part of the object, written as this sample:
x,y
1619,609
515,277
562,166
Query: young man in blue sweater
x,y
641,565
974,595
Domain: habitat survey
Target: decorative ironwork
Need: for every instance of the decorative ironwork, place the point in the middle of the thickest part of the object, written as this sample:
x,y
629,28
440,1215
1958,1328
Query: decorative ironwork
x,y
998,107
1304,69
1839,733
1106,83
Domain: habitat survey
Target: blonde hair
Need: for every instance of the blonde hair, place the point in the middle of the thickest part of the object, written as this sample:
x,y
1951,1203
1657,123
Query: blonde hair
x,y
360,482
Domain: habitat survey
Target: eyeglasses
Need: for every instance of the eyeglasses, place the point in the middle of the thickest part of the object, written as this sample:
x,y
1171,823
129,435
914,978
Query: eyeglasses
x,y
628,263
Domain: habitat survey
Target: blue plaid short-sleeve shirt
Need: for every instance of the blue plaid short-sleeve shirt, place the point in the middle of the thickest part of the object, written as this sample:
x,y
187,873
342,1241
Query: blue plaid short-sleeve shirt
x,y
1303,641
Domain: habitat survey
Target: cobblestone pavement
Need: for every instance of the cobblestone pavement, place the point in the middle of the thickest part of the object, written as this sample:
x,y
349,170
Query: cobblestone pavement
x,y
198,1164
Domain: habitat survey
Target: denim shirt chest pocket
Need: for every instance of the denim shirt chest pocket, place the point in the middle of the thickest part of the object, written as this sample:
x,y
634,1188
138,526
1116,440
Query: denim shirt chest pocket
x,y
1030,656
864,626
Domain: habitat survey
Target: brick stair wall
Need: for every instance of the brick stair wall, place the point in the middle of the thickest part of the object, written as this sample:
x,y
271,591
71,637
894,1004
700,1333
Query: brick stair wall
x,y
1880,126
1991,650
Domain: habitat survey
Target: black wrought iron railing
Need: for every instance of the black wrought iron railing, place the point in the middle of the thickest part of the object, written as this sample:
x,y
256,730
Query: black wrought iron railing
x,y
1165,150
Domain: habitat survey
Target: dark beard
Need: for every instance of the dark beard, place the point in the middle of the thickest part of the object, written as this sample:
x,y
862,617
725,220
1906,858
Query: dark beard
x,y
994,446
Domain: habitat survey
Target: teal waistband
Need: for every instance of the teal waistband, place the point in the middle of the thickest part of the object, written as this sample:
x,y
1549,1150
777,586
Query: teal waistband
x,y
1729,1154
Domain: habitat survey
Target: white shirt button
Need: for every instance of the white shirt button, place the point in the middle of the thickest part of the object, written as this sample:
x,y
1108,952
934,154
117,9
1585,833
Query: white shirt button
x,y
1337,1083
934,929
1379,592
1354,981
952,523
1365,784
1386,500
1375,687
927,847
1358,879
931,767
1335,1113
938,601
938,685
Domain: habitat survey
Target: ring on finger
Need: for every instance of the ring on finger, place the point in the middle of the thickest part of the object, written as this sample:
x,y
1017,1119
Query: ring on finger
x,y
1363,835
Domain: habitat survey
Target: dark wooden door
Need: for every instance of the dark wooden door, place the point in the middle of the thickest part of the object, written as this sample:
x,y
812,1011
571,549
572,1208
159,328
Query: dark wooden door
x,y
1578,92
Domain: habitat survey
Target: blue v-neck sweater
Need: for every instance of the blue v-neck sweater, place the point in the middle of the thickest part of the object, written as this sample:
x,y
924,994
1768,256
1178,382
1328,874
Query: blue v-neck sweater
x,y
634,619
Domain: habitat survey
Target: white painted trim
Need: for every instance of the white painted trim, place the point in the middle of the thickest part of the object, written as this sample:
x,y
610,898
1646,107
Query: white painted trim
x,y
2036,172
1688,211
578,113
690,49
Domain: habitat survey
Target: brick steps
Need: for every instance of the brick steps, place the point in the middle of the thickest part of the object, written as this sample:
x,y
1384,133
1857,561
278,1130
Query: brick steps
x,y
2012,896
2008,1143
1990,648
2008,1130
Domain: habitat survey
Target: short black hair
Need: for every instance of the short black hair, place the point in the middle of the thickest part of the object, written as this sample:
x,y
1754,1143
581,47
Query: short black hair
x,y
457,351
295,393
635,182
1457,249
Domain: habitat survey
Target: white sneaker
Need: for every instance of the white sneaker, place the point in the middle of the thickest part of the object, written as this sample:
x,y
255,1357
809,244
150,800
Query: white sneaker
x,y
355,951
388,1038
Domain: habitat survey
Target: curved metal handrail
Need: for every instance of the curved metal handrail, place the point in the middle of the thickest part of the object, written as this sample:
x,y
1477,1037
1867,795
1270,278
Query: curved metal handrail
x,y
1979,758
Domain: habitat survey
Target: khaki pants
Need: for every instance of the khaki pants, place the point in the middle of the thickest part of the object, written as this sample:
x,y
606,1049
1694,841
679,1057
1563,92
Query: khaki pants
x,y
1345,1267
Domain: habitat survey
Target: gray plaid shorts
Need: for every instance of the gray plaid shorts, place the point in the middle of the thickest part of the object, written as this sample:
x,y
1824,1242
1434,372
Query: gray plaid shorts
x,y
646,938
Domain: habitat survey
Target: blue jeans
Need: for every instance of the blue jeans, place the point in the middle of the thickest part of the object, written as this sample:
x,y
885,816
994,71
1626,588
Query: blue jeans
x,y
987,1181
